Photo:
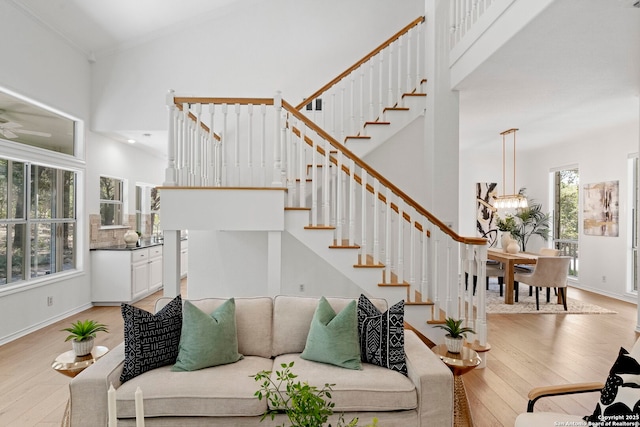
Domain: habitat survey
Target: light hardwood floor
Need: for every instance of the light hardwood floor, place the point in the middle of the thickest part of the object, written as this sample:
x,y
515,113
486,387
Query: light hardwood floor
x,y
527,350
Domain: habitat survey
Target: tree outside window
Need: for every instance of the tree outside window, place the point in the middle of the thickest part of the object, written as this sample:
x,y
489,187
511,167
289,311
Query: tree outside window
x,y
111,201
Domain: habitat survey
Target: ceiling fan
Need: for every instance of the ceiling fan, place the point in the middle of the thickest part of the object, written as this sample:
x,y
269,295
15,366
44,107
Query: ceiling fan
x,y
10,129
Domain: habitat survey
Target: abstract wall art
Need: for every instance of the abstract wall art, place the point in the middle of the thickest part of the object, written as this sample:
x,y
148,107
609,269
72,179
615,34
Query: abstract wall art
x,y
600,212
486,216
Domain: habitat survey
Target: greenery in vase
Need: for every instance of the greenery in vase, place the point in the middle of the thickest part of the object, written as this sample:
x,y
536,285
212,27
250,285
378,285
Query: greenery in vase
x,y
83,330
454,328
531,222
304,405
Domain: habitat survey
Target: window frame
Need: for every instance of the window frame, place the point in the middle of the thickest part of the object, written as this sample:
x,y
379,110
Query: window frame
x,y
119,202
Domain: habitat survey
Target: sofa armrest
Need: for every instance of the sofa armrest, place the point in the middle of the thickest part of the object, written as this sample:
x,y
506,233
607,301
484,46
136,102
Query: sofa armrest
x,y
88,390
433,381
560,390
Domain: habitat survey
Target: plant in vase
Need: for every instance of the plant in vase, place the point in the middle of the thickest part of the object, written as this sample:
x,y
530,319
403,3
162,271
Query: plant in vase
x,y
82,335
456,334
303,404
531,221
507,227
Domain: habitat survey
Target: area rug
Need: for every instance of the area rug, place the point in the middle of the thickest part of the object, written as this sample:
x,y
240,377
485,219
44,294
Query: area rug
x,y
527,304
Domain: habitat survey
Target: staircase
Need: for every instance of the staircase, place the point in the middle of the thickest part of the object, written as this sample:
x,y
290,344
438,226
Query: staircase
x,y
334,203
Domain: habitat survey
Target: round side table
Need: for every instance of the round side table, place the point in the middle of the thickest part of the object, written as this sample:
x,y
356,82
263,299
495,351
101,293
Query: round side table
x,y
71,365
459,363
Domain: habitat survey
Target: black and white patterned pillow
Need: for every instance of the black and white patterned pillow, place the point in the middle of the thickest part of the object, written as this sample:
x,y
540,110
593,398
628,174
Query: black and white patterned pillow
x,y
150,340
382,335
621,392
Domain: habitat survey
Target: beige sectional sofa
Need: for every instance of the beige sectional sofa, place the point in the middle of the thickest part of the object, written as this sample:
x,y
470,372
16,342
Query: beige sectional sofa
x,y
270,331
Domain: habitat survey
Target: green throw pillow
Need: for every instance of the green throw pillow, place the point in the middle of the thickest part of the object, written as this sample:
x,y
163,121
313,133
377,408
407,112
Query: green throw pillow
x,y
333,338
207,340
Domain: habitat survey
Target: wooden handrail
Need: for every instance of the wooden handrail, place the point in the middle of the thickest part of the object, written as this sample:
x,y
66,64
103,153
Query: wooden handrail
x,y
360,62
371,171
202,125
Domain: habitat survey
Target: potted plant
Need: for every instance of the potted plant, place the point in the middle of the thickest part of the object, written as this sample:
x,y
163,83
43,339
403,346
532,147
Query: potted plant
x,y
531,222
456,333
82,335
303,404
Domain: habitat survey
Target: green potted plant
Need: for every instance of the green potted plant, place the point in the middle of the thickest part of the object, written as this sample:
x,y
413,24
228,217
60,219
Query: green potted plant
x,y
82,335
303,404
455,334
531,222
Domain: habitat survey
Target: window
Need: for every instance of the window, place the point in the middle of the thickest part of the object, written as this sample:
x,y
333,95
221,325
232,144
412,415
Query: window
x,y
111,201
37,220
565,221
148,210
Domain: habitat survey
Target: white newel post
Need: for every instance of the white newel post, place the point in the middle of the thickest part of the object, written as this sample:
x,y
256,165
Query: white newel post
x,y
170,172
277,147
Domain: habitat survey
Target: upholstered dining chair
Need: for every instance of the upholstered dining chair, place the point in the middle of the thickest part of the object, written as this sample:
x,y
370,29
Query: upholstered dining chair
x,y
550,272
493,270
528,268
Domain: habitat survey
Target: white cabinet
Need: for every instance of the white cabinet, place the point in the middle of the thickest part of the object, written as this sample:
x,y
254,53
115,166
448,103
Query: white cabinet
x,y
125,275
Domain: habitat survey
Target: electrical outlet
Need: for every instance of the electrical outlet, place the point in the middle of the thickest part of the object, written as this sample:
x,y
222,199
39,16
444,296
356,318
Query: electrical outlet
x,y
49,301
301,287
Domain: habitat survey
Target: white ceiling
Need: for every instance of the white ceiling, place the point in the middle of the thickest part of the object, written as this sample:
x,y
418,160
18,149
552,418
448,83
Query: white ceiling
x,y
574,69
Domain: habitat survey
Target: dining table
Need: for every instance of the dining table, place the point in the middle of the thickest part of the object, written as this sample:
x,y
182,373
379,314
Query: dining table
x,y
509,261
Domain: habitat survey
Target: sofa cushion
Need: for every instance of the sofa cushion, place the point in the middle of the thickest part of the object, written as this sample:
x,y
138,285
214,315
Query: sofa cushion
x,y
382,335
292,317
253,321
225,390
150,340
373,388
333,338
207,339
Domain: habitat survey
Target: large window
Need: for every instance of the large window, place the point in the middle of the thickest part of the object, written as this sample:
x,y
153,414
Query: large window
x,y
111,201
565,221
148,210
37,220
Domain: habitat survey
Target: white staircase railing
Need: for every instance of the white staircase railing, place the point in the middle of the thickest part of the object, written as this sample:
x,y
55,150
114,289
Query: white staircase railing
x,y
258,142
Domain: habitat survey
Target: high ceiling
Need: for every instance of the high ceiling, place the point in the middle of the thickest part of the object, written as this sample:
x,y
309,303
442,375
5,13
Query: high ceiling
x,y
574,69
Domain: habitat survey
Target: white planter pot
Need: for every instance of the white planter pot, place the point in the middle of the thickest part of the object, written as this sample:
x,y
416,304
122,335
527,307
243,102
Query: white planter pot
x,y
82,348
454,345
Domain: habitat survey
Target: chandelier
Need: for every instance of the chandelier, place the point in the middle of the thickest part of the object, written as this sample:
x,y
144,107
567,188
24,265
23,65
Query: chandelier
x,y
514,200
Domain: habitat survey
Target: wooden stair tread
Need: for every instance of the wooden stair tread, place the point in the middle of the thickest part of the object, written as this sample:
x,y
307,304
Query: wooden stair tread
x,y
369,265
334,246
418,303
319,227
414,94
294,208
396,109
357,137
376,123
405,284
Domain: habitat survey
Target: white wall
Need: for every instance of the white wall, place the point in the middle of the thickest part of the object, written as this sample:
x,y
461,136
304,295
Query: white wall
x,y
252,48
600,156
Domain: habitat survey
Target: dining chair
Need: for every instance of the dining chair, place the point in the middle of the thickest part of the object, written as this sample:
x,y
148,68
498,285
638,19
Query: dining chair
x,y
528,268
493,269
549,272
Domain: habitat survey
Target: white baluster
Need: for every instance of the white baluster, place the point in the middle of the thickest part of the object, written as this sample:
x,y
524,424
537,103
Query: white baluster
x,y
186,143
333,110
197,149
412,250
380,85
302,165
289,141
213,159
409,83
352,203
400,269
361,97
326,188
263,145
352,112
387,238
376,219
223,146
236,147
400,78
424,269
250,144
390,101
435,253
371,113
343,112
363,220
277,166
339,201
314,182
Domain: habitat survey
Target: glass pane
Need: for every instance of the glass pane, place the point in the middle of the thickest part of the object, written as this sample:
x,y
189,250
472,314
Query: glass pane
x,y
110,214
68,195
68,246
12,237
110,189
4,188
42,249
17,190
31,125
155,200
43,192
138,198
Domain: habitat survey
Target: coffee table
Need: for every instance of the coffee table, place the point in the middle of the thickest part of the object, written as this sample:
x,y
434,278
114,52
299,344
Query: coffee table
x,y
459,363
